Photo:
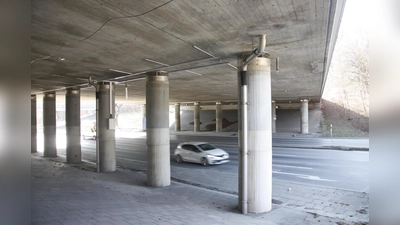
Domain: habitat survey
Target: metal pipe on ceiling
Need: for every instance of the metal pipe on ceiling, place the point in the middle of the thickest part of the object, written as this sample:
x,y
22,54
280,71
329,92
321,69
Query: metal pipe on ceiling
x,y
256,52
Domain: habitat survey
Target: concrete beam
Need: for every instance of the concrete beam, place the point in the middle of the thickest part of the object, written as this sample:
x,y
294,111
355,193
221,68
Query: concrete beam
x,y
297,105
210,107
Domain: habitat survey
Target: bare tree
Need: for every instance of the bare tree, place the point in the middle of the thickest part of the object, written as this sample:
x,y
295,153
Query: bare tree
x,y
356,68
117,111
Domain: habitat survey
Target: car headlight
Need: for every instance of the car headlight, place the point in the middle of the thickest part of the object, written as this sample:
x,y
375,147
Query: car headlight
x,y
210,156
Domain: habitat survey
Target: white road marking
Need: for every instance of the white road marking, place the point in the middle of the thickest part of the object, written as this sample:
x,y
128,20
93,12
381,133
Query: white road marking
x,y
284,155
297,167
304,176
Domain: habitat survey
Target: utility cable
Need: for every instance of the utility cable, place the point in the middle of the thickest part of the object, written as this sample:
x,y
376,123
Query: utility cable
x,y
119,17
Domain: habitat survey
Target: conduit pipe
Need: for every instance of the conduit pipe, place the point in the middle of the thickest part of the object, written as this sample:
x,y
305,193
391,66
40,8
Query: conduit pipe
x,y
96,86
243,77
97,133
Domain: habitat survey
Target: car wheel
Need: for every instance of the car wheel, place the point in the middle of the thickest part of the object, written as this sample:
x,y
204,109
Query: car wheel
x,y
204,162
178,158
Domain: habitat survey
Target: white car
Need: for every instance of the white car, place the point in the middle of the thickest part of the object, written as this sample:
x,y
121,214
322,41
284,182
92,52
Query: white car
x,y
200,152
88,129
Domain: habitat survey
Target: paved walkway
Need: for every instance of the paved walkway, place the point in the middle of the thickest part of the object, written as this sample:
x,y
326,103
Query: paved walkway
x,y
76,194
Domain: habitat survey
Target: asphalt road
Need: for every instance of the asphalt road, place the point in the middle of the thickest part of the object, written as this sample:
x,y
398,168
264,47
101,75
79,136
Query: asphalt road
x,y
330,168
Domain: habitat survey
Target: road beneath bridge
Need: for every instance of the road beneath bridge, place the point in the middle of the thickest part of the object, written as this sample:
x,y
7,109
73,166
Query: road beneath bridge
x,y
314,166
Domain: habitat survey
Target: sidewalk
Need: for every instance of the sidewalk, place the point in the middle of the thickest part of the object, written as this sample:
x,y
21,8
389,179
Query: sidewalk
x,y
76,194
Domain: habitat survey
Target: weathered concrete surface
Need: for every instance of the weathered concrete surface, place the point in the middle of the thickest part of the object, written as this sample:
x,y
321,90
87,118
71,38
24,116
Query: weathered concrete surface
x,y
157,109
106,136
71,41
49,125
177,117
287,121
218,117
196,122
73,125
304,116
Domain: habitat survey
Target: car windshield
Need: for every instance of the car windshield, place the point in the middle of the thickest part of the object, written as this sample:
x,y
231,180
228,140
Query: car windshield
x,y
207,147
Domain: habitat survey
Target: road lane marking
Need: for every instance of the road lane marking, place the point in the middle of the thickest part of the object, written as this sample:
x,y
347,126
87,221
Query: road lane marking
x,y
304,176
297,167
284,155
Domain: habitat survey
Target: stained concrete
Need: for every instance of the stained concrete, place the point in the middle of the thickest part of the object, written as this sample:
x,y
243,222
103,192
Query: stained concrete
x,y
287,121
72,40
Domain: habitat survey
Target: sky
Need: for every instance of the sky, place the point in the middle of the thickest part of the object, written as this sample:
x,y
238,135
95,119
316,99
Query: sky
x,y
355,23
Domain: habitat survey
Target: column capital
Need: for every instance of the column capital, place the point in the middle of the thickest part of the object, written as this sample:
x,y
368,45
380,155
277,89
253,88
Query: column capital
x,y
75,91
51,94
218,103
304,100
177,104
196,103
157,75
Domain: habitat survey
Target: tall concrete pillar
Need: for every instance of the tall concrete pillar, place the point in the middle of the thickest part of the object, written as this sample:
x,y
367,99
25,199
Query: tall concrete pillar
x,y
106,127
304,116
177,117
144,117
259,144
33,124
157,111
196,117
73,125
273,116
218,117
49,125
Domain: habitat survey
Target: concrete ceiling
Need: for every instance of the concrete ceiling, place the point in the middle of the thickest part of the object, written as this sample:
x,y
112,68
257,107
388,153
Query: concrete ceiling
x,y
72,40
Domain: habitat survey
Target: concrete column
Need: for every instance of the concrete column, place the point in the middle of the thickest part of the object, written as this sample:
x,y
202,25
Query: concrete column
x,y
33,124
259,166
49,124
196,117
218,117
106,127
73,125
157,110
273,116
144,117
304,116
177,117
